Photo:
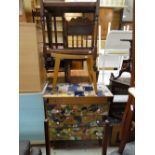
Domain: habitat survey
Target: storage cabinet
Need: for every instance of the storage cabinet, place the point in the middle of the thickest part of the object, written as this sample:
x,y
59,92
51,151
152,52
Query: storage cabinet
x,y
75,112
32,74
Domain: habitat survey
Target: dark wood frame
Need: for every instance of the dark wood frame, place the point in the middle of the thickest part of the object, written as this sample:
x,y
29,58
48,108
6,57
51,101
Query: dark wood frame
x,y
58,9
129,113
81,100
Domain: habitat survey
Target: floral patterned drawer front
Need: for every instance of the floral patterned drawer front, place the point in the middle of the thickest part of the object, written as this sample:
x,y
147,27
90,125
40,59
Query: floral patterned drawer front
x,y
76,115
77,110
81,133
75,121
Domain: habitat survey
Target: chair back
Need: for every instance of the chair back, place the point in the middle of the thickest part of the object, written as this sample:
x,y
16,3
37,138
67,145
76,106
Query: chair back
x,y
80,32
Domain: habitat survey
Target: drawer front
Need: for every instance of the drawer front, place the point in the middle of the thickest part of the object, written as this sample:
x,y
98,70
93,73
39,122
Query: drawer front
x,y
75,121
77,110
76,133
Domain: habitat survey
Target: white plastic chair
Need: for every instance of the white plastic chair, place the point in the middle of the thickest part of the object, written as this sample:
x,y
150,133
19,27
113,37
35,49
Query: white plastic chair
x,y
111,57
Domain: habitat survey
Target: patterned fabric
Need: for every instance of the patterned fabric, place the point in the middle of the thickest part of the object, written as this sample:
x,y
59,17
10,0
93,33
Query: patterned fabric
x,y
76,122
81,133
76,115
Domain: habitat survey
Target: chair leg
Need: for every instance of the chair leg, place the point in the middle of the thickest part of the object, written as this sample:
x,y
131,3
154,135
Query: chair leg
x,y
47,139
56,70
92,72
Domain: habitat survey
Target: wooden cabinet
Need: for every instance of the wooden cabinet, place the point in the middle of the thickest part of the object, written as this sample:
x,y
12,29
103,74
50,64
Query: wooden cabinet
x,y
76,115
32,74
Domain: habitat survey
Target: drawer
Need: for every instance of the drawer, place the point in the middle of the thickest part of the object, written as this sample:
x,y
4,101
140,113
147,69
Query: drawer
x,y
77,110
75,121
91,133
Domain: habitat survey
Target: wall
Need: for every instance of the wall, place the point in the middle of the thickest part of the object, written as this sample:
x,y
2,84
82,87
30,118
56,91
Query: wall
x,y
31,117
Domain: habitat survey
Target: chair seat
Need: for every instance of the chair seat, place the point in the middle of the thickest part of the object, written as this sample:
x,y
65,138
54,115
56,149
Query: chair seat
x,y
71,51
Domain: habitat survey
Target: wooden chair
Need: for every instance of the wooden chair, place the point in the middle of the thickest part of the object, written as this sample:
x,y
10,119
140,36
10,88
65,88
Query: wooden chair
x,y
79,35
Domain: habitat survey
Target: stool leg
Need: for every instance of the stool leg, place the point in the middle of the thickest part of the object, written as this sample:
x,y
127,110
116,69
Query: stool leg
x,y
56,70
47,139
68,71
89,70
93,74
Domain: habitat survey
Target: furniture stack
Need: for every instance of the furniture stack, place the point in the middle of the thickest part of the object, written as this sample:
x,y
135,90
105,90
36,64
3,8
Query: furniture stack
x,y
75,112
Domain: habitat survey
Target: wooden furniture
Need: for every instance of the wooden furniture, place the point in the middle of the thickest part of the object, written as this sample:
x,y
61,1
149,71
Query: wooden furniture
x,y
82,27
110,15
119,88
128,120
32,74
75,112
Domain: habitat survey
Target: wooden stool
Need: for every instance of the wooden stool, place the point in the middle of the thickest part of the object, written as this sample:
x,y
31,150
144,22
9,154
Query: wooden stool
x,y
88,58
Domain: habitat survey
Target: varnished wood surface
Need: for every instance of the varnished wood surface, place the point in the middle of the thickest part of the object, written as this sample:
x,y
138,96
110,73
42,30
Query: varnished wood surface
x,y
31,64
77,100
55,4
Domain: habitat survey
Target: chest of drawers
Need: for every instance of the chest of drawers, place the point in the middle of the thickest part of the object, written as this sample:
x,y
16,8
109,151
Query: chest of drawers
x,y
75,112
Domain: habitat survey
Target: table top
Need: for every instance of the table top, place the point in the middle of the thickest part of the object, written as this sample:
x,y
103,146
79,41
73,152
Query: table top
x,y
81,92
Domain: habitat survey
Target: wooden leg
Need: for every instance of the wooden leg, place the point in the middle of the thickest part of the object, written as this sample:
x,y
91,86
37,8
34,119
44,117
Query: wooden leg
x,y
115,133
89,70
47,139
126,125
56,70
105,138
93,74
67,71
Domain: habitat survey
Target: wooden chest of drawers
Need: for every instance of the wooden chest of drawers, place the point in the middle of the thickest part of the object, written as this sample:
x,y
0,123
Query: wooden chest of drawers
x,y
75,112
